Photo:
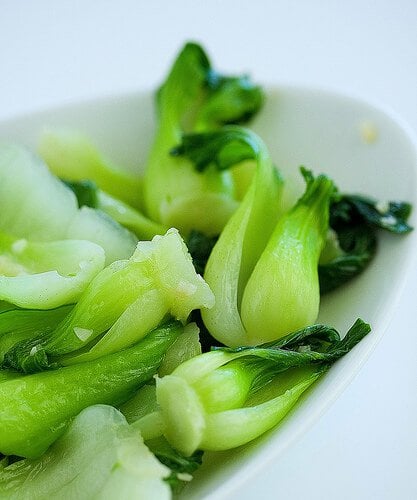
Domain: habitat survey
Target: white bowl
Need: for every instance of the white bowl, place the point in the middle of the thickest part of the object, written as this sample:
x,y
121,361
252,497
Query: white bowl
x,y
363,148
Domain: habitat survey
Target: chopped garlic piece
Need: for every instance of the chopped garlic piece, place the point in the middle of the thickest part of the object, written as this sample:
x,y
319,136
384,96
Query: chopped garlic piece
x,y
183,476
369,132
382,206
185,288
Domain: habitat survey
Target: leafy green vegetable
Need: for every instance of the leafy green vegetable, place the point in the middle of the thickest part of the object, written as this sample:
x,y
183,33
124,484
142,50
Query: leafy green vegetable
x,y
35,409
71,156
259,385
391,216
46,275
282,293
99,456
143,227
194,98
247,232
89,195
125,301
38,206
185,347
355,220
96,226
110,321
263,271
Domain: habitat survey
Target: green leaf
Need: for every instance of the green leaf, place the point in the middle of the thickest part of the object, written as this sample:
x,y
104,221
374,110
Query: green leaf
x,y
223,148
259,385
85,191
181,467
391,216
355,220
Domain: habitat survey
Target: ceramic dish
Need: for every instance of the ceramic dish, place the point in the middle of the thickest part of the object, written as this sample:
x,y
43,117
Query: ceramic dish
x,y
363,148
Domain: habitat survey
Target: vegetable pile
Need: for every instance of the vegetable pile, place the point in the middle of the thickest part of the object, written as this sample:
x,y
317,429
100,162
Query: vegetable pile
x,y
147,319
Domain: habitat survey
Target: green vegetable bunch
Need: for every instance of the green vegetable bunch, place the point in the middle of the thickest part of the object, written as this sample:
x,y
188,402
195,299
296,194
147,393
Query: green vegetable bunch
x,y
227,397
99,294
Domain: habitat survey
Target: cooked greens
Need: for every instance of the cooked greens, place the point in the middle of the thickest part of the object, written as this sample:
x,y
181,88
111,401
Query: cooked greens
x,y
99,456
37,206
35,409
248,230
71,156
120,306
194,98
49,274
105,313
352,244
259,385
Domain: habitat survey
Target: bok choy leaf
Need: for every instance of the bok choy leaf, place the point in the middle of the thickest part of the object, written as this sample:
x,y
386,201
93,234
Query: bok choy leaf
x,y
259,385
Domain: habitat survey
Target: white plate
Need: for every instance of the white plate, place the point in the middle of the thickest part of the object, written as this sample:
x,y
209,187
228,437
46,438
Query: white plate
x,y
326,132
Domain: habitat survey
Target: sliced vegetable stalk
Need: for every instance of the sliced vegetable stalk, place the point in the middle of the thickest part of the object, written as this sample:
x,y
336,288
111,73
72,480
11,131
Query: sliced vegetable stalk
x,y
352,244
124,302
38,206
282,293
194,98
142,407
99,456
89,195
132,219
247,232
263,271
73,157
46,275
259,385
35,409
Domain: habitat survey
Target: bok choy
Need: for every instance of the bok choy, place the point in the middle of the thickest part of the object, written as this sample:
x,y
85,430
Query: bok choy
x,y
38,206
194,98
35,409
124,302
112,285
99,456
259,385
72,157
247,232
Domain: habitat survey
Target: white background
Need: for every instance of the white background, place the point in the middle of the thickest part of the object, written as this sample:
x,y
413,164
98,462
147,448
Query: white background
x,y
365,446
